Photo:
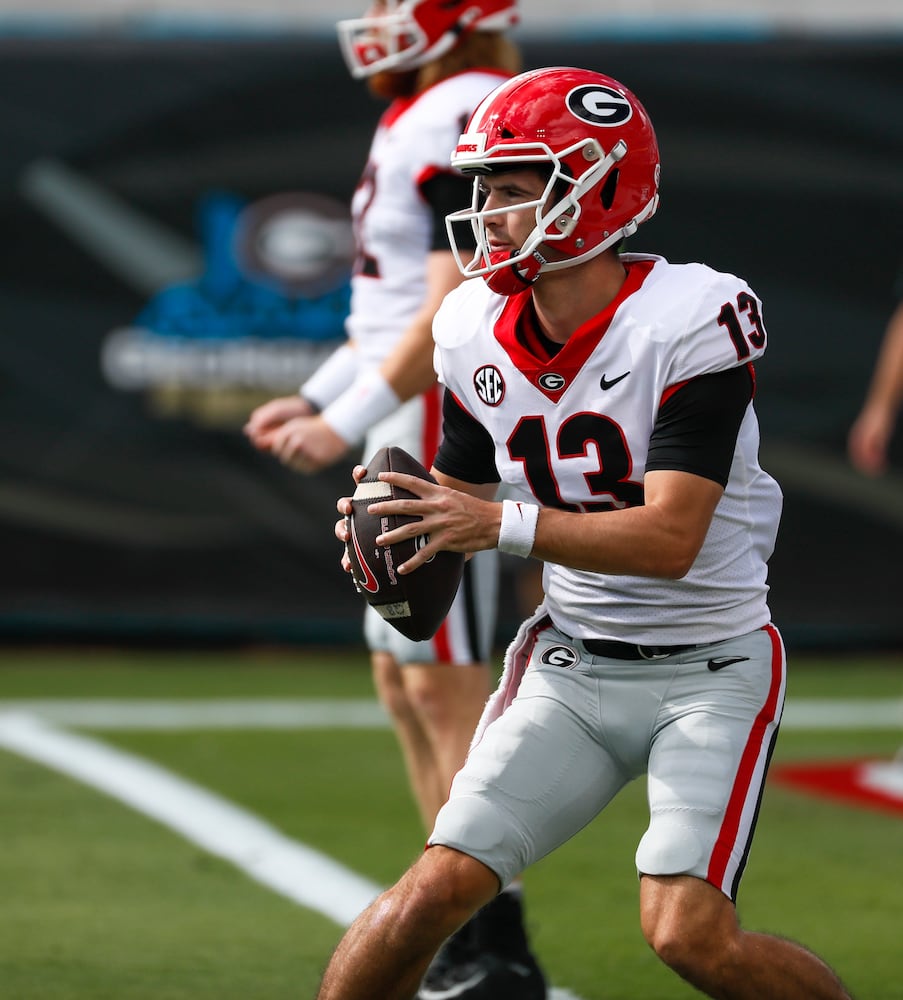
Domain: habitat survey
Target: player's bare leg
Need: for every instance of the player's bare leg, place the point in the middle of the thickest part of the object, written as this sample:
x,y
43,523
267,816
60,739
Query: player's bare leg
x,y
447,700
387,949
693,928
416,750
434,711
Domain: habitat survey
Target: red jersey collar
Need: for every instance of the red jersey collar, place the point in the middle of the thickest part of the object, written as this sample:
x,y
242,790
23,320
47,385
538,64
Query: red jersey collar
x,y
552,376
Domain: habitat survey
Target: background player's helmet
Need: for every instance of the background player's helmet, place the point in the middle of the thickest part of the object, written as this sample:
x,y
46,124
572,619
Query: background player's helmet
x,y
398,35
597,142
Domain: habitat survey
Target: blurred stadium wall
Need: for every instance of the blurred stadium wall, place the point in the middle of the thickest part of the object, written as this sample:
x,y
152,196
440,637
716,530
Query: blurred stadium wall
x,y
564,17
175,249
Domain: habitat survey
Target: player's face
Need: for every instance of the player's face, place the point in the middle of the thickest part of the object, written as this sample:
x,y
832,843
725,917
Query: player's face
x,y
510,200
387,84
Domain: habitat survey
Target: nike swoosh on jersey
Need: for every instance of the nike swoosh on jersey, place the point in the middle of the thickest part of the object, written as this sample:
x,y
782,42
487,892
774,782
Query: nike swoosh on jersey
x,y
605,383
720,662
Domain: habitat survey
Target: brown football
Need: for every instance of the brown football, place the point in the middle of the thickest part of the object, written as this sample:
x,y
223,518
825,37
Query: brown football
x,y
416,603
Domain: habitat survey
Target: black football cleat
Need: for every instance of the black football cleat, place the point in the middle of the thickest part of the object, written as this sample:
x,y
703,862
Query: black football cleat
x,y
489,958
454,970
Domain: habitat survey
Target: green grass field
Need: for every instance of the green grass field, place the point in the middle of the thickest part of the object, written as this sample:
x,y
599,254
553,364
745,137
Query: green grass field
x,y
101,902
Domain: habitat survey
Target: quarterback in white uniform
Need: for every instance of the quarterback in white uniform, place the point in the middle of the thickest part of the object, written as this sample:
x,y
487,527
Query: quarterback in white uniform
x,y
615,390
584,425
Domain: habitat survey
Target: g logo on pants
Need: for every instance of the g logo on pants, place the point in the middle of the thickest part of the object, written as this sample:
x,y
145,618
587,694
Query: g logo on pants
x,y
560,656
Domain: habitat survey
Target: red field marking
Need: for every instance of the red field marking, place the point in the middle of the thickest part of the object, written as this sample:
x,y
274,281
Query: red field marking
x,y
872,784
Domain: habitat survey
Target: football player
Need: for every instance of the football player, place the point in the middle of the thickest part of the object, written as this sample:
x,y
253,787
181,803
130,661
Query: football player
x,y
434,61
618,389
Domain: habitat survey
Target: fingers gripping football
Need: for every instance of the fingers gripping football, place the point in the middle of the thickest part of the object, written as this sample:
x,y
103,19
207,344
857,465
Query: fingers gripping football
x,y
378,543
450,520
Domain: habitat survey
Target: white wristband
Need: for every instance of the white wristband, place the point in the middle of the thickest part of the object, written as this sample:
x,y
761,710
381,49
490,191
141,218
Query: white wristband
x,y
518,528
332,378
363,404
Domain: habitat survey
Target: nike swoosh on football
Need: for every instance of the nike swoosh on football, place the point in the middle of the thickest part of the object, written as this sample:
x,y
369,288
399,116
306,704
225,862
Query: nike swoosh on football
x,y
369,583
453,991
605,383
720,662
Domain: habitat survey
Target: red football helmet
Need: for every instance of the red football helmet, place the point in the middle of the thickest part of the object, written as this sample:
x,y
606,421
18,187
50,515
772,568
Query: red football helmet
x,y
597,140
403,34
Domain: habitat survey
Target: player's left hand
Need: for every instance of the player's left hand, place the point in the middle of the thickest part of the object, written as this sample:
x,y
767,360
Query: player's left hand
x,y
454,521
343,506
308,444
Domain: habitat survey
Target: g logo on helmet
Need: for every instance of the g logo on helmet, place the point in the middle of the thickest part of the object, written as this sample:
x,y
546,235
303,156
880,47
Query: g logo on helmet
x,y
598,105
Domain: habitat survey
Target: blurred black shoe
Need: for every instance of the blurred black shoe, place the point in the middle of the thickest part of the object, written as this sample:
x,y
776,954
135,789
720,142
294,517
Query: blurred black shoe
x,y
489,958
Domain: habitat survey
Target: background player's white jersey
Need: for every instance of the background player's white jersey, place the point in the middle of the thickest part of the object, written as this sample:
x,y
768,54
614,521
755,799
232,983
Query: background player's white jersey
x,y
393,224
578,428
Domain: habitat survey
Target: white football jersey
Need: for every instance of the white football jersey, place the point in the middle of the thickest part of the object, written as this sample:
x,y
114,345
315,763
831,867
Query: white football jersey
x,y
577,428
393,224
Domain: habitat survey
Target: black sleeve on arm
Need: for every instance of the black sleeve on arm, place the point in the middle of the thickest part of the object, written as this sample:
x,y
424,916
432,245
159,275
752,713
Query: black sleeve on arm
x,y
697,426
446,192
467,452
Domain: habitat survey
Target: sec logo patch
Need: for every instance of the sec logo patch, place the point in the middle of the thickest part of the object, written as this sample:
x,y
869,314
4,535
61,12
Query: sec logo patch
x,y
489,384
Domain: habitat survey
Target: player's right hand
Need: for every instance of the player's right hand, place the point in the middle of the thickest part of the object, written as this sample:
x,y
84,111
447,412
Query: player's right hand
x,y
270,416
307,444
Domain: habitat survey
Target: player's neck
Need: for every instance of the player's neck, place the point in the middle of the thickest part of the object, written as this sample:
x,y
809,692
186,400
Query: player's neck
x,y
565,300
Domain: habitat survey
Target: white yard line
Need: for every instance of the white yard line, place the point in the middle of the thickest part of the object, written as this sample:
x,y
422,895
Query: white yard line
x,y
292,869
365,713
846,713
217,713
200,816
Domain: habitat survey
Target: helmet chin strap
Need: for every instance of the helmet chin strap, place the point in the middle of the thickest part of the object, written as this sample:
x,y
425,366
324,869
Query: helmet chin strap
x,y
511,280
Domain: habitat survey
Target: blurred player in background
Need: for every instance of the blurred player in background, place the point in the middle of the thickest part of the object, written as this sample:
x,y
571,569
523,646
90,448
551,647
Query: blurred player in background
x,y
434,60
873,429
618,388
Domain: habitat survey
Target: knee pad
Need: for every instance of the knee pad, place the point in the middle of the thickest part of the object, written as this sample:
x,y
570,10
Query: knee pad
x,y
669,847
471,825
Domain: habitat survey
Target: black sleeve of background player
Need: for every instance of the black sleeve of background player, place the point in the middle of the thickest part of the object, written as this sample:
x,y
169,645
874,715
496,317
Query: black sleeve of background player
x,y
696,429
467,451
448,192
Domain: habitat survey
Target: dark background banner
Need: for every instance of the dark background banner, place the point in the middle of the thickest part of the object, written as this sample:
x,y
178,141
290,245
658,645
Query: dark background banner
x,y
136,510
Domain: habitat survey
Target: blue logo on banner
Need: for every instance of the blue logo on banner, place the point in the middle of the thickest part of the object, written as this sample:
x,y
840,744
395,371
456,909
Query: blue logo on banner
x,y
270,304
